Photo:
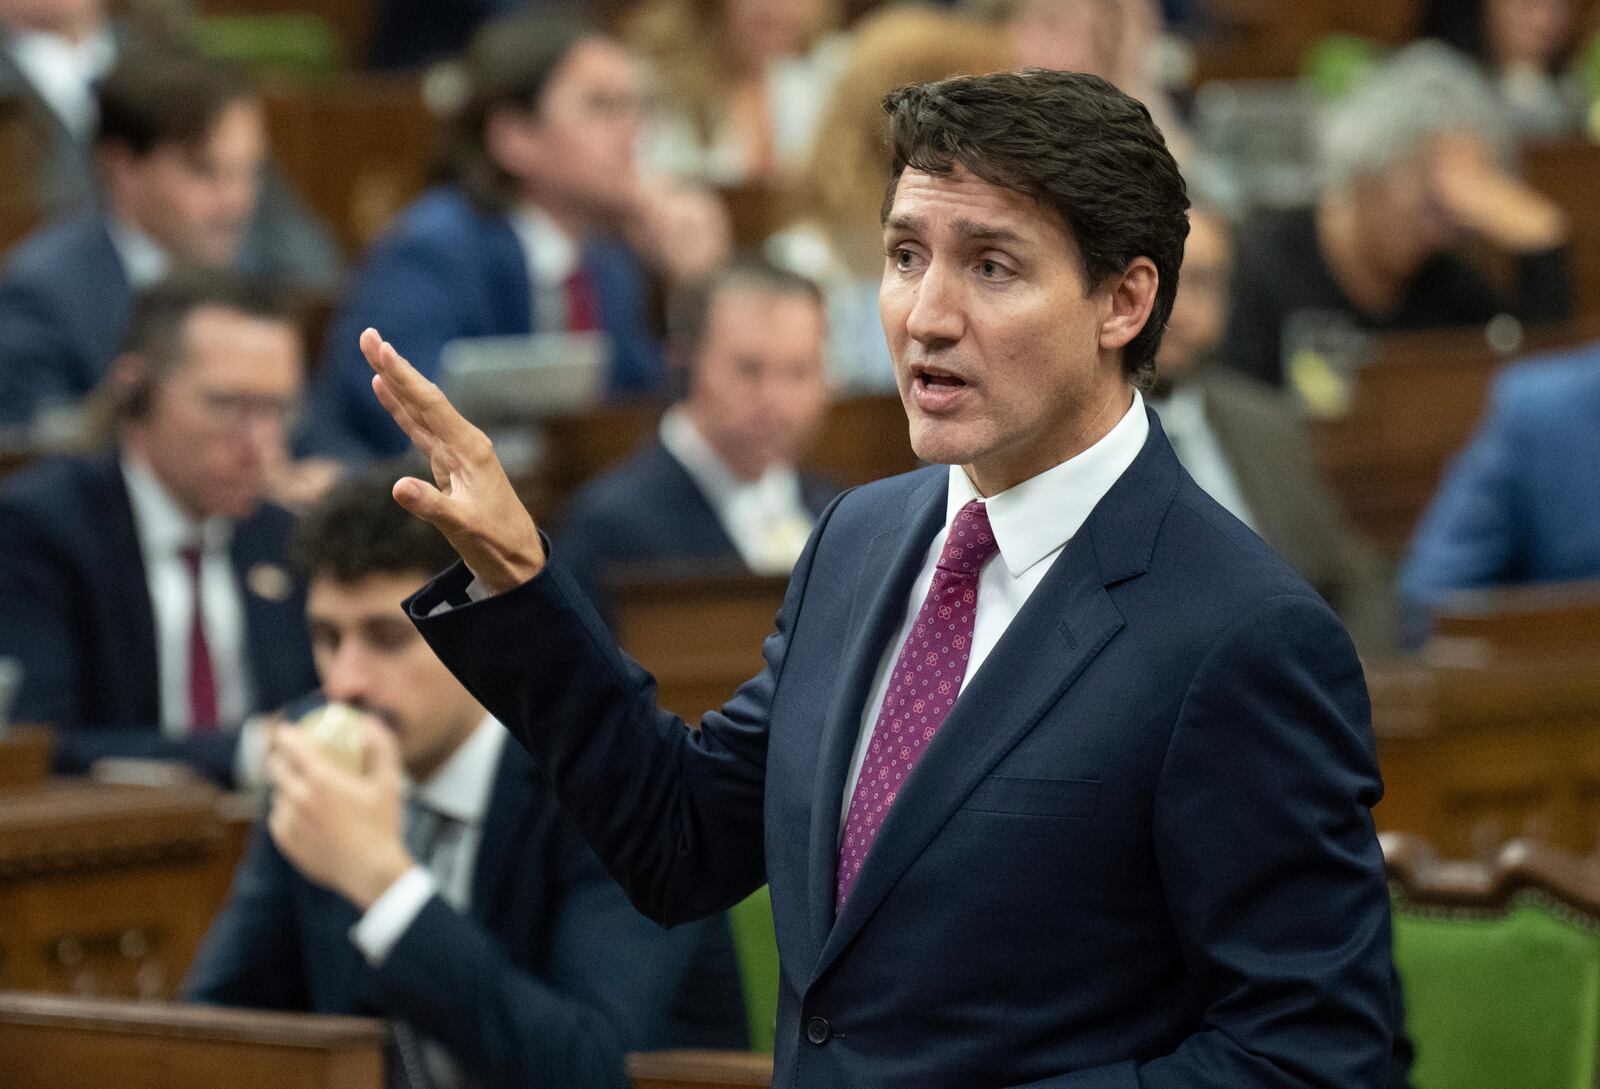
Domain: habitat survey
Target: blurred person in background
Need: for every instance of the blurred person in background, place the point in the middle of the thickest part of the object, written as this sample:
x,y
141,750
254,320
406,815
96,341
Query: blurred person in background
x,y
146,590
1244,444
180,146
836,239
545,225
1524,48
1521,503
54,54
740,83
719,484
1416,168
439,885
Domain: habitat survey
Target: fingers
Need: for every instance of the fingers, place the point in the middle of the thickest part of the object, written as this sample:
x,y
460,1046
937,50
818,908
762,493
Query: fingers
x,y
383,752
397,411
426,502
422,401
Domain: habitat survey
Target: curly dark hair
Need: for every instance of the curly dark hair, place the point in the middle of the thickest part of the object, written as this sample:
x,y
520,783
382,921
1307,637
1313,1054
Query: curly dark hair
x,y
357,529
1074,143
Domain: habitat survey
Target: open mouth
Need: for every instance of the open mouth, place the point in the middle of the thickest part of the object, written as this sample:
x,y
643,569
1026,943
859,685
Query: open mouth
x,y
932,379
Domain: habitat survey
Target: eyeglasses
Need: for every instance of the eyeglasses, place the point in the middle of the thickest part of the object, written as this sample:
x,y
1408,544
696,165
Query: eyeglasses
x,y
236,410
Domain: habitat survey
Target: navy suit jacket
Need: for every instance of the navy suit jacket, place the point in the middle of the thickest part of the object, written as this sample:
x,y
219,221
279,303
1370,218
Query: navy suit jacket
x,y
1138,853
448,270
648,511
65,301
1520,503
548,979
77,614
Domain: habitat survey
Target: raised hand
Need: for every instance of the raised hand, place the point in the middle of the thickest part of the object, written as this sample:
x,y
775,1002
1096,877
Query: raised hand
x,y
471,500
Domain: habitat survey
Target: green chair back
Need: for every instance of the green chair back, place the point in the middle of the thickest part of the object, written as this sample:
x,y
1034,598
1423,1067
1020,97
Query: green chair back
x,y
1500,1001
757,947
297,46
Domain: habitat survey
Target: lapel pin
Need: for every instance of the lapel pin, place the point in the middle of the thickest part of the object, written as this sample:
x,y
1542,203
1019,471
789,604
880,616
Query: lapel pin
x,y
270,581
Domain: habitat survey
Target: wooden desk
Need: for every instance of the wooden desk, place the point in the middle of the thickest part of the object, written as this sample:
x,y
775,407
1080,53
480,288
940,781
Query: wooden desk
x,y
53,1042
25,757
1495,731
108,890
699,1070
700,635
1413,409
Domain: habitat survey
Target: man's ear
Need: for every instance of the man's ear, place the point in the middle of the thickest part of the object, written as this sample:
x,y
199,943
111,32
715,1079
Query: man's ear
x,y
1132,297
129,382
512,142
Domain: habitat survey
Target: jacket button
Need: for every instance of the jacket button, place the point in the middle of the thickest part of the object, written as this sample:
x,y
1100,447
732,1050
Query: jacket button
x,y
818,1030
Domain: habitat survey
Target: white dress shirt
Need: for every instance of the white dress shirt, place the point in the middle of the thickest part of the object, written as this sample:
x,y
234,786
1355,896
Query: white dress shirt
x,y
164,530
1032,523
766,519
64,73
461,790
551,255
1183,416
143,262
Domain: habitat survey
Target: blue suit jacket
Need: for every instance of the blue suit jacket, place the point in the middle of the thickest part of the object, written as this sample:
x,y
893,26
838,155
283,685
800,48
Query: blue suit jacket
x,y
1520,503
77,614
649,511
1138,853
448,270
547,980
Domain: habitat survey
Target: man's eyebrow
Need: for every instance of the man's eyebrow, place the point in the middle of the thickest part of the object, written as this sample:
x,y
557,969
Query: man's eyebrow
x,y
968,229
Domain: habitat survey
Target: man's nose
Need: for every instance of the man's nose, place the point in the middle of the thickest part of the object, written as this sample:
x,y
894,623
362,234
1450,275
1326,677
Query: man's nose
x,y
346,678
936,318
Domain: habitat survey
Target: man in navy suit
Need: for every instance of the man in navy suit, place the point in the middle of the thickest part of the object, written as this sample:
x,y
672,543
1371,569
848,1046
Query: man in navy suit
x,y
1520,503
718,485
145,591
459,902
181,144
1058,775
522,239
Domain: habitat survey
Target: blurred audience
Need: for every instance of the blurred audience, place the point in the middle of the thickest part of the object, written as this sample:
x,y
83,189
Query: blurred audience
x,y
180,142
740,83
147,591
837,240
440,885
1244,444
524,237
719,484
1520,504
53,56
1524,48
1416,163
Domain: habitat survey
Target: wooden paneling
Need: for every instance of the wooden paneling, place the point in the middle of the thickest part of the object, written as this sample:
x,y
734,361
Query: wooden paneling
x,y
108,890
49,1042
1569,173
25,757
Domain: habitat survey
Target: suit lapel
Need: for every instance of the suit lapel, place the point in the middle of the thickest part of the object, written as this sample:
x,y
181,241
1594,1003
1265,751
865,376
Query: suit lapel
x,y
891,563
1065,624
510,809
127,590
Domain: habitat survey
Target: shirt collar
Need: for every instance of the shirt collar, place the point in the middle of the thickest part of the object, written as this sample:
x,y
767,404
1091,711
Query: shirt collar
x,y
552,252
143,262
461,788
711,474
164,527
62,72
1035,518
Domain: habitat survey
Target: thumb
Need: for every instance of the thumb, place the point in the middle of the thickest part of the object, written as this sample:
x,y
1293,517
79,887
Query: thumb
x,y
426,502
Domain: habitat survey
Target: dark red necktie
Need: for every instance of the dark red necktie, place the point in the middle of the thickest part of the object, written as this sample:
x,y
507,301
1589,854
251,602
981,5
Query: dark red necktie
x,y
583,302
202,678
923,688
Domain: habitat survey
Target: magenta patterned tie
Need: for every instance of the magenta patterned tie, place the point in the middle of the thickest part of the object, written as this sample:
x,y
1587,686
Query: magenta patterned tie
x,y
927,678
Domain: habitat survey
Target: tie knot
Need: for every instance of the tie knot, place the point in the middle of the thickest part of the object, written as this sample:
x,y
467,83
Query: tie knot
x,y
970,543
191,555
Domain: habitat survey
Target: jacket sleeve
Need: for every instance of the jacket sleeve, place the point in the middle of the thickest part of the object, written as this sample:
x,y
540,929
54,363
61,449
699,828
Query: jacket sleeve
x,y
675,814
606,984
36,364
1271,867
251,957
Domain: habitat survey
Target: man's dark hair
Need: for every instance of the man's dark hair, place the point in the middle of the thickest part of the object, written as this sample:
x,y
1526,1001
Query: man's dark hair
x,y
1074,143
357,530
509,64
160,319
689,307
157,96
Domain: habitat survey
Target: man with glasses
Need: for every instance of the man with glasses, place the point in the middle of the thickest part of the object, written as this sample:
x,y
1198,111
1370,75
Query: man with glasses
x,y
145,590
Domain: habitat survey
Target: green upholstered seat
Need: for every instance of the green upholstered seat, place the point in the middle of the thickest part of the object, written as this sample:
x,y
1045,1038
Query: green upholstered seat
x,y
757,947
1500,1001
297,46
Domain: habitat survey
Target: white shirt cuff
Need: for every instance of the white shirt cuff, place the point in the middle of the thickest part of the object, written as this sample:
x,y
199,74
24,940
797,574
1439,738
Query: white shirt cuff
x,y
250,757
392,914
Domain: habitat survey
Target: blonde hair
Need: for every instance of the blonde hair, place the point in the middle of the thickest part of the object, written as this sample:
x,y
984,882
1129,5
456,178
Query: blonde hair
x,y
843,185
685,43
